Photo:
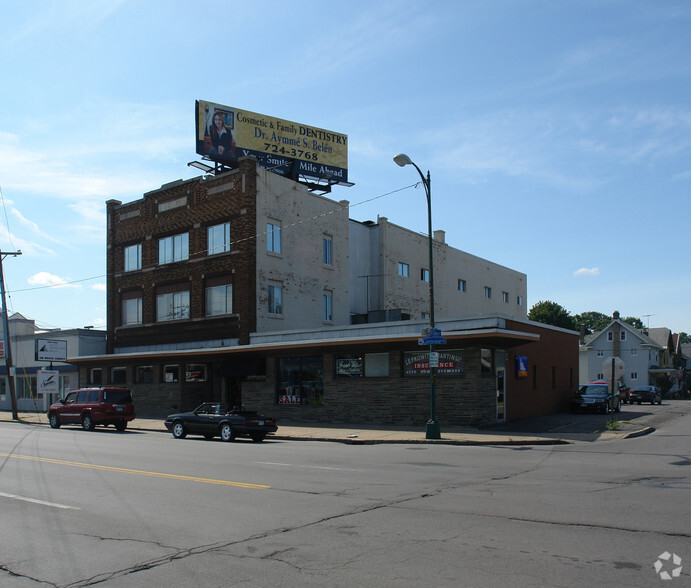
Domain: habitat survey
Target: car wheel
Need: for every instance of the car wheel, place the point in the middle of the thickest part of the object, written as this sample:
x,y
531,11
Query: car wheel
x,y
121,425
659,401
178,430
54,421
258,437
209,436
88,422
227,433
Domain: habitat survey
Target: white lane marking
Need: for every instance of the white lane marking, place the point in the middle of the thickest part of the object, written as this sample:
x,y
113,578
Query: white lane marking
x,y
37,501
290,465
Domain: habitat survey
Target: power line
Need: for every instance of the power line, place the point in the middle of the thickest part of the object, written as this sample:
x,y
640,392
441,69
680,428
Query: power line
x,y
335,210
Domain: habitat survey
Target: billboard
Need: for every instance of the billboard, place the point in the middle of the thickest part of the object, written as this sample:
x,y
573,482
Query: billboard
x,y
225,133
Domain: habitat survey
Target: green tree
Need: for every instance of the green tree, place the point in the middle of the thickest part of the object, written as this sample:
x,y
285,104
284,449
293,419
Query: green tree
x,y
551,313
635,322
664,382
592,321
684,337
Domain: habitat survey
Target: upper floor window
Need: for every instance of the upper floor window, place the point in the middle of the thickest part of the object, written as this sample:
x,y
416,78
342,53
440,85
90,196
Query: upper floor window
x,y
634,375
174,248
403,269
173,306
622,335
328,250
600,353
218,239
505,297
462,285
273,237
132,311
519,300
219,300
328,306
610,336
133,257
488,292
275,299
634,352
424,275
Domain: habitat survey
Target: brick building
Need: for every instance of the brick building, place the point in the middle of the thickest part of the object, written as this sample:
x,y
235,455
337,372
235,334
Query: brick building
x,y
247,288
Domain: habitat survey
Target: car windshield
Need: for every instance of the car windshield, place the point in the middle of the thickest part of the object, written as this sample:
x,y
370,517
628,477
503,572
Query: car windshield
x,y
117,396
595,389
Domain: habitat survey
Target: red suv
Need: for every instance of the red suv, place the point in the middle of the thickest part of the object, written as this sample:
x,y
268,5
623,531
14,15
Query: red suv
x,y
93,406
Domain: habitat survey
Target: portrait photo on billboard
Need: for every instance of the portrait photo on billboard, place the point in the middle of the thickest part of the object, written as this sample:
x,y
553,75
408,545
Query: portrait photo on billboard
x,y
216,132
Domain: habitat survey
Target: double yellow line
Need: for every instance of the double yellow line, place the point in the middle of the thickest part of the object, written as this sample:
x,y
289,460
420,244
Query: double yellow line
x,y
104,468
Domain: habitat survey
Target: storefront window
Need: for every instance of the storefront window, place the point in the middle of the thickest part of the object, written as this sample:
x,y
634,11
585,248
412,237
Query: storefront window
x,y
376,365
144,374
118,375
171,374
300,380
350,365
486,363
368,365
96,376
26,387
195,372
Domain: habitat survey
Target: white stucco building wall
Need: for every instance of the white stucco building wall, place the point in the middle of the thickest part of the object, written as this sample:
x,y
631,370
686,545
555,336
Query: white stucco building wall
x,y
299,269
395,251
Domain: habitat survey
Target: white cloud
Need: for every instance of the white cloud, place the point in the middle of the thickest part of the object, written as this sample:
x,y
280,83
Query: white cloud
x,y
587,271
50,280
99,287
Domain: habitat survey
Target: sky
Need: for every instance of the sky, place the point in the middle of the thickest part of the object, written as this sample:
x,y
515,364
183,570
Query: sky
x,y
557,134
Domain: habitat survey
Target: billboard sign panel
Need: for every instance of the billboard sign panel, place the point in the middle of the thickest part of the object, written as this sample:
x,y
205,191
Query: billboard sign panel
x,y
51,350
225,133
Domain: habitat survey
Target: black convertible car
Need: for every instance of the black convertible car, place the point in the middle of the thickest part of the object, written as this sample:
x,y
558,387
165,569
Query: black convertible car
x,y
211,419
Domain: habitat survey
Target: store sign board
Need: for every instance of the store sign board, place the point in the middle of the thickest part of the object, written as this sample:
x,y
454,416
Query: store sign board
x,y
448,363
51,350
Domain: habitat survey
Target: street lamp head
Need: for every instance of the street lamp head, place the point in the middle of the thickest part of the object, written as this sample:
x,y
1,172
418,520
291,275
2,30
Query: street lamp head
x,y
402,159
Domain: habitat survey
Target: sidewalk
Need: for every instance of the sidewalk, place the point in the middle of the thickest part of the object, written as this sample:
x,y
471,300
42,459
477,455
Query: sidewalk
x,y
365,434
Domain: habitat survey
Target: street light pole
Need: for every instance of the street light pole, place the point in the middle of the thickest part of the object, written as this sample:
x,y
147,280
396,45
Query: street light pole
x,y
432,430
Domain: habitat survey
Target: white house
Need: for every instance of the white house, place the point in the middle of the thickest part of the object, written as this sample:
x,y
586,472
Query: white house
x,y
638,358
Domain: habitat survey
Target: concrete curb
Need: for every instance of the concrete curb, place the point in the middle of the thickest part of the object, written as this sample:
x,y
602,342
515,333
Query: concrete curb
x,y
645,431
475,442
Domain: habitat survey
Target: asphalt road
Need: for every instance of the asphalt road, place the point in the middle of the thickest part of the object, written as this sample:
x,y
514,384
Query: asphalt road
x,y
137,508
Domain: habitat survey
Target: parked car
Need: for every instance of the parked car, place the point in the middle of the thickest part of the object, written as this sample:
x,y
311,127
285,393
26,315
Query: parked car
x,y
645,394
596,397
89,407
211,419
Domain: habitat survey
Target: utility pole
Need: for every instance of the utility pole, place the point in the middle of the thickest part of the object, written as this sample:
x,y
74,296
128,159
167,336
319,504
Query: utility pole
x,y
6,333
